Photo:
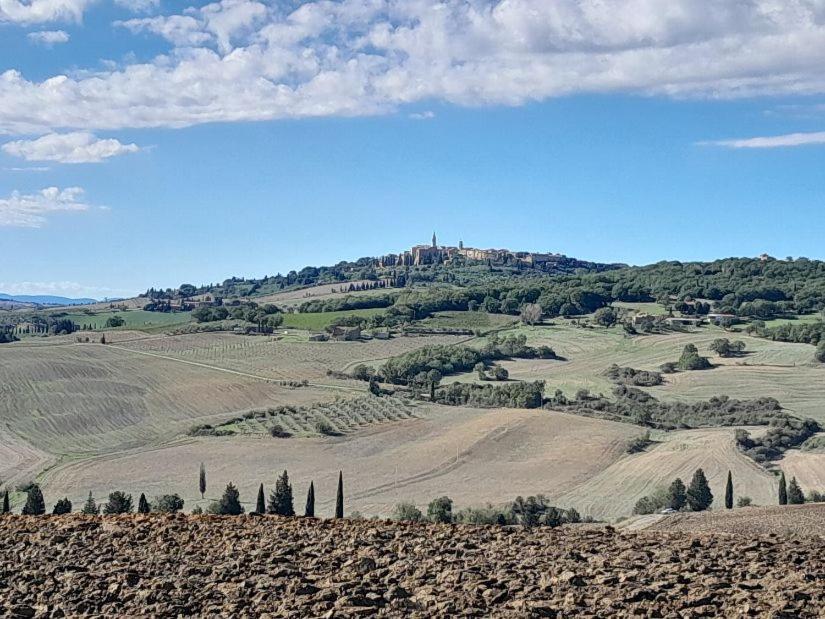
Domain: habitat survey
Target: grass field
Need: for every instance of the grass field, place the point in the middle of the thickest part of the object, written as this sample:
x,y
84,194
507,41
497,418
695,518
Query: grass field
x,y
481,321
138,319
318,321
293,298
654,309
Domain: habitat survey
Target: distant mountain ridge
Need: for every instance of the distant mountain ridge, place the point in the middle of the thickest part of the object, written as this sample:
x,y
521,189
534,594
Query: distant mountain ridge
x,y
45,299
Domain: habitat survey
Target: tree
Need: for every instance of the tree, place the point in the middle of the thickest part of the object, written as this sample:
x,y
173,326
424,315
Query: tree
x,y
721,346
605,316
63,506
729,492
691,360
820,352
440,510
309,510
530,313
339,496
168,504
480,369
119,503
699,496
229,504
280,501
143,504
202,480
407,512
676,494
500,373
783,490
114,322
795,496
260,504
90,508
6,507
35,505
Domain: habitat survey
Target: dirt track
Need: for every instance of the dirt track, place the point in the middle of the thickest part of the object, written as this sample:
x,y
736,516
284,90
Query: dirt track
x,y
170,566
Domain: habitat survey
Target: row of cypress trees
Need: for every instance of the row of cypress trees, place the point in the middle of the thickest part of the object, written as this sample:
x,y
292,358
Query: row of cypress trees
x,y
281,500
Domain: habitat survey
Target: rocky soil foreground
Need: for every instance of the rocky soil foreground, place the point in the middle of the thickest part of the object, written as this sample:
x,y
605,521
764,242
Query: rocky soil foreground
x,y
187,565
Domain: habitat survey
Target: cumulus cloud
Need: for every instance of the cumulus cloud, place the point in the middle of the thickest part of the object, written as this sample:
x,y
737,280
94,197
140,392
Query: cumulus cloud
x,y
247,60
77,147
775,141
40,11
48,37
31,210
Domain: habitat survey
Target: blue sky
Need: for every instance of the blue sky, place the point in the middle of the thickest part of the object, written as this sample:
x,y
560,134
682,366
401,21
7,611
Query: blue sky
x,y
182,147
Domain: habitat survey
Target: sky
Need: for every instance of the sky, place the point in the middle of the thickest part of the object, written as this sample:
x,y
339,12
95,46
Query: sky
x,y
159,142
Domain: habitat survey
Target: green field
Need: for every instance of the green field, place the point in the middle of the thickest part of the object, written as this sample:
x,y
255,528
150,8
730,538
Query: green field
x,y
481,321
318,321
797,320
138,320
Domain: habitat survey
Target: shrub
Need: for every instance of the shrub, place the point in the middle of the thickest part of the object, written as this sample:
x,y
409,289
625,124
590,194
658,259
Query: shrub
x,y
500,373
277,431
407,512
691,360
795,496
168,504
744,501
638,443
322,426
484,515
440,510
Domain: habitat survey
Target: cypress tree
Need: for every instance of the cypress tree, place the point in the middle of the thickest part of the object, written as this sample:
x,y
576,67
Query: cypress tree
x,y
260,507
309,511
280,501
699,496
676,496
6,507
230,503
339,496
143,504
783,490
795,496
729,492
90,508
202,480
35,505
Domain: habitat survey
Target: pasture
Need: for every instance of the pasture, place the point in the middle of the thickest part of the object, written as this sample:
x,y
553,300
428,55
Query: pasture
x,y
134,319
318,321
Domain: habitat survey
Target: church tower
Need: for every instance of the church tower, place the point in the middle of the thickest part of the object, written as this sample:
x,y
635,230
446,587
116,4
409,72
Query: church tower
x,y
435,244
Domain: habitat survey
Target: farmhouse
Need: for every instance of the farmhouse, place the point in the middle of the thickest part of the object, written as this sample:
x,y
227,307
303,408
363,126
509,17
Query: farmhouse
x,y
345,334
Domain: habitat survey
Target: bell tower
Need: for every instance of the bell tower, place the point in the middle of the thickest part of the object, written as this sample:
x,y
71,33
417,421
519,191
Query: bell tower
x,y
435,243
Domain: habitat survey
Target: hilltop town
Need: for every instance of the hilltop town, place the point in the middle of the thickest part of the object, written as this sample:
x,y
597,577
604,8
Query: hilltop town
x,y
445,254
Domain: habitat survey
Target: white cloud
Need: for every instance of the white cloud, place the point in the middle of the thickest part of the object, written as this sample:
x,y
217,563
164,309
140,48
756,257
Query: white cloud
x,y
427,115
78,147
775,141
241,60
40,11
48,37
138,6
27,169
31,210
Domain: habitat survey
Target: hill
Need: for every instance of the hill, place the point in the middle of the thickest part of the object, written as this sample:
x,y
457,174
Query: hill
x,y
210,566
45,299
776,520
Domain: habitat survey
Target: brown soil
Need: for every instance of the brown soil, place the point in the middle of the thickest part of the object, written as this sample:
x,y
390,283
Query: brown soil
x,y
784,520
256,566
